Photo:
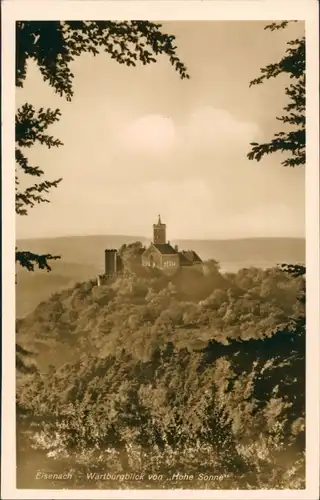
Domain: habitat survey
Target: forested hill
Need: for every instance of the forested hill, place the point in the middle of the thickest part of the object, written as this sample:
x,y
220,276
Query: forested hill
x,y
146,309
82,258
207,370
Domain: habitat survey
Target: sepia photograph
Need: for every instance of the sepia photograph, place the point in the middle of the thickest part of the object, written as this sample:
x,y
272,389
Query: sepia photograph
x,y
160,254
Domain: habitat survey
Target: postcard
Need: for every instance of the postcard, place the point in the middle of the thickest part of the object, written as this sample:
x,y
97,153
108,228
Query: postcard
x,y
160,249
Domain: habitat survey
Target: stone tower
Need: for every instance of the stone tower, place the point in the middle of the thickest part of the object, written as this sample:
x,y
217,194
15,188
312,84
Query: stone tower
x,y
159,233
110,262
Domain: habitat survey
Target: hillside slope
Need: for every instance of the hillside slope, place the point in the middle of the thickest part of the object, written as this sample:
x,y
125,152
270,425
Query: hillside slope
x,y
193,373
138,312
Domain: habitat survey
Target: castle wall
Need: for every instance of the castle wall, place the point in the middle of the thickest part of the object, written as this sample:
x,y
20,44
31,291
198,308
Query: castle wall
x,y
151,258
170,262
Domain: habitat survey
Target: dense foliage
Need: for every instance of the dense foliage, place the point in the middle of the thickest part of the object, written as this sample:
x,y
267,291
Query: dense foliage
x,y
53,46
291,141
194,373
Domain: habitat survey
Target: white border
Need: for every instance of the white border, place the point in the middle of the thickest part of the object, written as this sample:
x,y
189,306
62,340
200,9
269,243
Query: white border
x,y
158,11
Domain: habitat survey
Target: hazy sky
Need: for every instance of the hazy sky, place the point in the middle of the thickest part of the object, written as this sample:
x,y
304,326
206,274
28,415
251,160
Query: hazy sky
x,y
140,141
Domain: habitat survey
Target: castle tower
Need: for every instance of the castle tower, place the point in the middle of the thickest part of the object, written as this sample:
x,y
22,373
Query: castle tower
x,y
110,262
159,233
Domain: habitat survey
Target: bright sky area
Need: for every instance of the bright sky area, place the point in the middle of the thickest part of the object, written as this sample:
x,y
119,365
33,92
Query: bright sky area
x,y
140,141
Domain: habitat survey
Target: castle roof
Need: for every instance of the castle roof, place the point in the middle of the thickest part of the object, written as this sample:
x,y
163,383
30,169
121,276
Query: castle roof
x,y
159,223
164,248
183,260
189,255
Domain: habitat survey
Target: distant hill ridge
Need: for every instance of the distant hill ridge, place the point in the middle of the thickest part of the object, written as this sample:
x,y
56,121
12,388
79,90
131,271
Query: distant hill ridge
x,y
89,249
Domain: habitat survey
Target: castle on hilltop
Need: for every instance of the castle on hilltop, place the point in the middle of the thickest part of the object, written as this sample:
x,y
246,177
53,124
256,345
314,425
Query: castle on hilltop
x,y
159,254
162,255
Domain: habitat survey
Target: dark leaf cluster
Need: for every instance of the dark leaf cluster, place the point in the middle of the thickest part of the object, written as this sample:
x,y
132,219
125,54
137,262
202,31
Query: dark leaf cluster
x,y
30,260
291,143
30,129
53,45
